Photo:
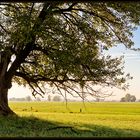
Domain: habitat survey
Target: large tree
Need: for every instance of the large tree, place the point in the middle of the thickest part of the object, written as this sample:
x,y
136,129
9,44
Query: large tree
x,y
60,45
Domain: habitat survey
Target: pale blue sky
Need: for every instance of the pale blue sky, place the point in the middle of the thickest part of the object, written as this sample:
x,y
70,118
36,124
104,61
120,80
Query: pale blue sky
x,y
132,66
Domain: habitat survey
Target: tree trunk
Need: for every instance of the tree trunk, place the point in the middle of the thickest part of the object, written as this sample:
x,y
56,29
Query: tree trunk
x,y
5,84
4,108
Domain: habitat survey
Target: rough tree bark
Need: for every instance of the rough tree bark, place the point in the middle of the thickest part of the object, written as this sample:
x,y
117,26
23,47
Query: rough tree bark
x,y
4,85
4,107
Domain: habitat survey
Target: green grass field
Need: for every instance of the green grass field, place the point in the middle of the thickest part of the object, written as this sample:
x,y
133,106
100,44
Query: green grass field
x,y
54,119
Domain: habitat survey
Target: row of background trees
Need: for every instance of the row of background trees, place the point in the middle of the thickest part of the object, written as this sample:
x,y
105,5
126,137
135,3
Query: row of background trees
x,y
28,98
127,98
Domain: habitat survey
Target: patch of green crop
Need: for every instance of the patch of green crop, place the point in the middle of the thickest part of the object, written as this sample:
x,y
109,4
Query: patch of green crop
x,y
54,119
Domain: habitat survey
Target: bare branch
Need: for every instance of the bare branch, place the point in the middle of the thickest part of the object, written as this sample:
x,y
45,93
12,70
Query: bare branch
x,y
4,29
65,10
31,9
39,88
35,92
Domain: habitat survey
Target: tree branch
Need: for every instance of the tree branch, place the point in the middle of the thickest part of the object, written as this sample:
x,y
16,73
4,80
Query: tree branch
x,y
4,29
65,10
31,9
29,47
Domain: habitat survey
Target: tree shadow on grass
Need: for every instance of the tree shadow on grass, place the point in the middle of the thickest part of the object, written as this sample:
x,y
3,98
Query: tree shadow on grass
x,y
34,127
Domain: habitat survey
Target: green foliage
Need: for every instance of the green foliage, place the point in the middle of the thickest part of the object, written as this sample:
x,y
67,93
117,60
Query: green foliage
x,y
61,43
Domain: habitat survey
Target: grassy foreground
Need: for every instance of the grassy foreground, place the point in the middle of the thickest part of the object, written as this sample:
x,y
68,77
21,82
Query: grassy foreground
x,y
53,119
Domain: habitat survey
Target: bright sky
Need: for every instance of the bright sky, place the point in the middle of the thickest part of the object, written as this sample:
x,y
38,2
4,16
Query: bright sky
x,y
132,66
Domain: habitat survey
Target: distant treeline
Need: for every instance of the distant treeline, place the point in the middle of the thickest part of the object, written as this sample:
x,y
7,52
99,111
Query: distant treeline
x,y
27,98
127,98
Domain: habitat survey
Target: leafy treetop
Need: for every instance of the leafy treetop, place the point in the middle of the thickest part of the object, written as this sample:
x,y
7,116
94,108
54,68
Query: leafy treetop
x,y
61,44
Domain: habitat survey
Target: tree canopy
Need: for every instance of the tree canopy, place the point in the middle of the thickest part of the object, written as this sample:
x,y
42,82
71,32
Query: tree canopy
x,y
128,98
60,44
